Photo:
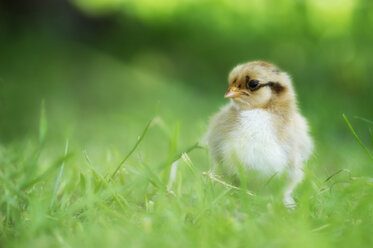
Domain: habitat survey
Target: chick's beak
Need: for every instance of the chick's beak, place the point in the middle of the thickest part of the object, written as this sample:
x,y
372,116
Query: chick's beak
x,y
232,92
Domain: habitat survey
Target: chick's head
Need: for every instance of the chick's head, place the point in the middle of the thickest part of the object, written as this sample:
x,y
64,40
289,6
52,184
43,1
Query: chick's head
x,y
259,84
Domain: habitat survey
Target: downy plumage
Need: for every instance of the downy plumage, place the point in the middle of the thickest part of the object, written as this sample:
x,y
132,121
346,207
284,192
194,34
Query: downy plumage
x,y
261,128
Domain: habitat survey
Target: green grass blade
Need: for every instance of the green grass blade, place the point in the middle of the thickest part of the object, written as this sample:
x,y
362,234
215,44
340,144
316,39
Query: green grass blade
x,y
333,175
46,173
357,138
103,182
141,137
59,176
43,124
153,178
364,119
270,179
188,150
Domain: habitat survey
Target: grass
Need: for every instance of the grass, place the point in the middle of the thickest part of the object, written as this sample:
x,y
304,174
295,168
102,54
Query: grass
x,y
69,200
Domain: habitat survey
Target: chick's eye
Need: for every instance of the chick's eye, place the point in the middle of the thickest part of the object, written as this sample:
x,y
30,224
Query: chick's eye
x,y
252,84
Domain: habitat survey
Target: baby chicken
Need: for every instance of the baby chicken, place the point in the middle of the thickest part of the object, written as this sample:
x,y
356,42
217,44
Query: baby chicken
x,y
261,128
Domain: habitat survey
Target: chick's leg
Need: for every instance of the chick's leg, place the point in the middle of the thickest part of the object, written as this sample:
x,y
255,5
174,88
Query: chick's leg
x,y
295,176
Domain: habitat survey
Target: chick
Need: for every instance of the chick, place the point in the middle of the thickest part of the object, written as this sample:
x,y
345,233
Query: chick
x,y
261,128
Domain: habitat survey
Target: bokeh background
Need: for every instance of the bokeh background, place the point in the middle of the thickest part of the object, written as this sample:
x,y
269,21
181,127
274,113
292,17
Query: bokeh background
x,y
102,67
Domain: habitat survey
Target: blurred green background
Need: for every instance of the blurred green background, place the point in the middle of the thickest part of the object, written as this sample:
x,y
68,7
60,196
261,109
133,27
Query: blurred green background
x,y
102,66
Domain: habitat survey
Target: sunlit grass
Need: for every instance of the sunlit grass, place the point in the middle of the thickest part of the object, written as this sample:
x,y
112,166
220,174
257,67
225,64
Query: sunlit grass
x,y
70,203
